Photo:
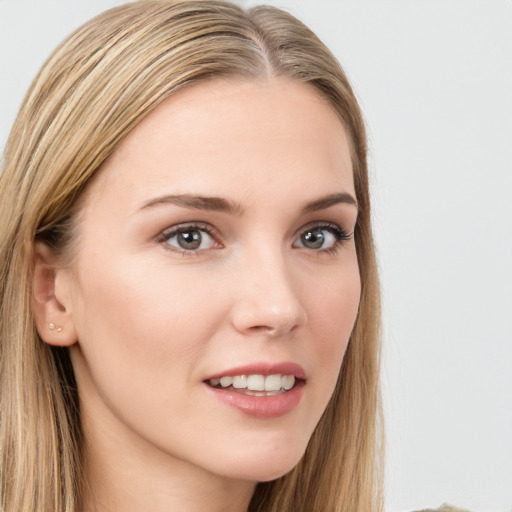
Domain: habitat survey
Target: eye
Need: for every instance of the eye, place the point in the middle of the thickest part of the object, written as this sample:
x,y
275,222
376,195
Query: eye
x,y
189,238
324,237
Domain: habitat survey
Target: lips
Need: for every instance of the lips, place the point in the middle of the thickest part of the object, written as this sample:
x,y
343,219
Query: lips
x,y
260,390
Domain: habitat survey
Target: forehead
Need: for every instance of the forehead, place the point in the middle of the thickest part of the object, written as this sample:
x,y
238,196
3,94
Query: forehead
x,y
227,136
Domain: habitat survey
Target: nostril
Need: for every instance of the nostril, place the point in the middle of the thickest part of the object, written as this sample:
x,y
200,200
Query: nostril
x,y
261,328
269,330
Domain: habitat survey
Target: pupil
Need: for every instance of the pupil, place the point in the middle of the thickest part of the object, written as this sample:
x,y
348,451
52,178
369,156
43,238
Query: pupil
x,y
313,239
189,239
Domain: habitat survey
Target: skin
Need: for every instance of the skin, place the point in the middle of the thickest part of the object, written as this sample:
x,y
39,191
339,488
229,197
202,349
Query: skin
x,y
147,323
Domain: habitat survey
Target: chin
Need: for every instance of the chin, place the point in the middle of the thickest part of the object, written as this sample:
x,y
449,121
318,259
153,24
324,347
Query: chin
x,y
266,465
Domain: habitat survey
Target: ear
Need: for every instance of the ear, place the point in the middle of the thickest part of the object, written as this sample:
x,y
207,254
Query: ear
x,y
50,301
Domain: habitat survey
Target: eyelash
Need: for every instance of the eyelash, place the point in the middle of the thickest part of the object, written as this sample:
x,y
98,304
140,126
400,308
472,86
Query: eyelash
x,y
183,228
339,234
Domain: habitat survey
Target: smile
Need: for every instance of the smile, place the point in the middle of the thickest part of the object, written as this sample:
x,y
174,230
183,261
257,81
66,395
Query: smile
x,y
255,384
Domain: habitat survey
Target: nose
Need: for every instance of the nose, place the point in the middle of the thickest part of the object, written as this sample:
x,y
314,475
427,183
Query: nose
x,y
267,302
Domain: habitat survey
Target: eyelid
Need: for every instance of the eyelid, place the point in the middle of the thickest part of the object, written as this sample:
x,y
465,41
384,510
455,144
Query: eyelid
x,y
340,234
173,230
343,233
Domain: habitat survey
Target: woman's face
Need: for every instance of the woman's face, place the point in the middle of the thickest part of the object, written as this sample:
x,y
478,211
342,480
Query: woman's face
x,y
215,250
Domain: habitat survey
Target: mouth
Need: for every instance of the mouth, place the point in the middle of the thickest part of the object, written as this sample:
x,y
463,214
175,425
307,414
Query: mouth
x,y
254,384
260,390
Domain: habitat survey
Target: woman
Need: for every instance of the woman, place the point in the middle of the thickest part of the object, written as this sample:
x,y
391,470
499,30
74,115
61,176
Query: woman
x,y
189,296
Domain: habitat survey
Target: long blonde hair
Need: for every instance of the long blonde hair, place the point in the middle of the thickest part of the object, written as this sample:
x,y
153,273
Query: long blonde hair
x,y
96,86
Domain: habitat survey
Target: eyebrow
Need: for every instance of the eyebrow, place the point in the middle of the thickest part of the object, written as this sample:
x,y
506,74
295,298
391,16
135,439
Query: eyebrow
x,y
330,200
217,204
220,204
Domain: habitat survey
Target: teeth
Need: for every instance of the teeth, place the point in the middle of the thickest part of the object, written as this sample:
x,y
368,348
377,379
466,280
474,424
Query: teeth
x,y
225,382
256,382
287,381
273,382
240,381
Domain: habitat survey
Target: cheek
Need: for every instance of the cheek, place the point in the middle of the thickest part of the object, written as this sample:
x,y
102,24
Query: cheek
x,y
141,333
145,328
334,306
332,314
141,320
137,290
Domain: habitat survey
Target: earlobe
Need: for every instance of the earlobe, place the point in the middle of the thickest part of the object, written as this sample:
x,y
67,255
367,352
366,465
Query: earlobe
x,y
52,315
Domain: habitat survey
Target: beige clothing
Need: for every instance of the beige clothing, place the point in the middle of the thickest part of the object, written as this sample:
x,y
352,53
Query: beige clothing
x,y
443,508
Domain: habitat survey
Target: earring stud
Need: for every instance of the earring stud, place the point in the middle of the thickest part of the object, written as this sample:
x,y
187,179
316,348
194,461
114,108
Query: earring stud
x,y
51,326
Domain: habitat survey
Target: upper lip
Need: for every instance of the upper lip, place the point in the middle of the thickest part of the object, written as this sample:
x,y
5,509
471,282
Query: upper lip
x,y
285,368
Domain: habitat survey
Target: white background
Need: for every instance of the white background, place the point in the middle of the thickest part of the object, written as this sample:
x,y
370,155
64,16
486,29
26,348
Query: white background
x,y
434,78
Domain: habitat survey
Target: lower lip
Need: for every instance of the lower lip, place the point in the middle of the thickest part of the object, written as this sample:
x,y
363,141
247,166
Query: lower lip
x,y
261,407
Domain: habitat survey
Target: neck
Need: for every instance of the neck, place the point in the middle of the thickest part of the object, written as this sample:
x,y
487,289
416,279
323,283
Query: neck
x,y
132,485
